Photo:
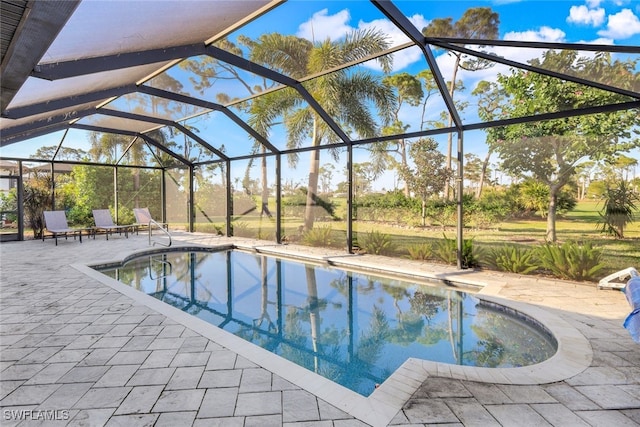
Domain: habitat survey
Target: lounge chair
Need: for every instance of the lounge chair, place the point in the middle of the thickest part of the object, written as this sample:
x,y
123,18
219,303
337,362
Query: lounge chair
x,y
144,219
55,222
103,220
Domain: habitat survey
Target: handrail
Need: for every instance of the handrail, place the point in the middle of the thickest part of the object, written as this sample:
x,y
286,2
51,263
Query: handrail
x,y
164,263
152,221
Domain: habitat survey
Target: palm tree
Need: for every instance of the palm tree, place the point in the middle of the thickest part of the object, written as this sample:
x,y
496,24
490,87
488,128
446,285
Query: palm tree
x,y
349,97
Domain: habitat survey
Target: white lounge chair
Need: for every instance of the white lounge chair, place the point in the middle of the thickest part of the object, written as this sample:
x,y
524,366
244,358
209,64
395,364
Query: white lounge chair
x,y
144,219
55,222
103,221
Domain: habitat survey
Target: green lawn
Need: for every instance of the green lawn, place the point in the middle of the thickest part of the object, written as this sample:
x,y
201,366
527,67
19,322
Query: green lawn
x,y
579,225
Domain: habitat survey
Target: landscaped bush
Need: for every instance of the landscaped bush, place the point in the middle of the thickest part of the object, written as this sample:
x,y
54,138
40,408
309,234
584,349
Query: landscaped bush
x,y
571,260
295,205
318,236
499,204
512,259
620,205
241,229
217,229
446,251
125,215
442,212
420,251
377,243
392,206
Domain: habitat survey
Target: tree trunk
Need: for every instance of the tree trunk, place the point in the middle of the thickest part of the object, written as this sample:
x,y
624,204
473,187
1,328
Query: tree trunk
x,y
265,188
312,188
551,217
483,174
403,159
136,187
452,86
424,212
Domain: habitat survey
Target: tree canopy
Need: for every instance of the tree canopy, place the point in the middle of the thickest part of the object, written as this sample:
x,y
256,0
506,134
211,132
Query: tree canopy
x,y
549,151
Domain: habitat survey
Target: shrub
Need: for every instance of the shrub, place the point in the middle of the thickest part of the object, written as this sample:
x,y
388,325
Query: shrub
x,y
295,205
36,200
571,260
534,197
377,243
499,204
318,236
125,215
620,204
241,229
420,251
512,259
216,229
442,212
446,250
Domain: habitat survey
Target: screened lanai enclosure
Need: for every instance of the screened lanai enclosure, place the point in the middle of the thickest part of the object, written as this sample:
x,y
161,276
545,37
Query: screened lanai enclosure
x,y
340,123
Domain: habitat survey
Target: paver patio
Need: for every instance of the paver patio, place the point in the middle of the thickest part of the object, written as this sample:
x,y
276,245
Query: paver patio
x,y
85,354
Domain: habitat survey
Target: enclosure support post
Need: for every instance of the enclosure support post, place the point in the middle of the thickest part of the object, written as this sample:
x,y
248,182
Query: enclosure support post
x,y
278,198
460,182
116,202
191,206
53,186
21,202
163,192
229,197
350,198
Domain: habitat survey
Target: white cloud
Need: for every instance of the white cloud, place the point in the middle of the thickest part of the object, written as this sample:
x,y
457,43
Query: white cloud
x,y
583,15
592,4
544,34
600,40
323,26
405,57
622,25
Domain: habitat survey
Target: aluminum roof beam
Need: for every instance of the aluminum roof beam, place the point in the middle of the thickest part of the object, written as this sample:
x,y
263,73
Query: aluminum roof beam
x,y
402,22
57,104
40,24
135,134
209,106
252,67
27,130
66,69
537,45
164,122
538,70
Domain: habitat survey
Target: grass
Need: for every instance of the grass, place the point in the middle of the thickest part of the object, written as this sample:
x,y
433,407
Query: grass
x,y
579,225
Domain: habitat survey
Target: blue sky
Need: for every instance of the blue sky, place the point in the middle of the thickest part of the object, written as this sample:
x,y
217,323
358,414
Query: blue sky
x,y
608,22
594,21
614,22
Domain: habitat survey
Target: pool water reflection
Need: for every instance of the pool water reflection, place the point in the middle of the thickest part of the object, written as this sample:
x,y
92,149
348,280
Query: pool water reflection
x,y
353,328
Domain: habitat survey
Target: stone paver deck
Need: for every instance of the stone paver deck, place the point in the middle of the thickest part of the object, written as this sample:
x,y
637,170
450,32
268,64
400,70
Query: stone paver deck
x,y
80,351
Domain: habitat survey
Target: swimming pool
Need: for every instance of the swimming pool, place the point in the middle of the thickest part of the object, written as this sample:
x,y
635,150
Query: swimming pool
x,y
351,327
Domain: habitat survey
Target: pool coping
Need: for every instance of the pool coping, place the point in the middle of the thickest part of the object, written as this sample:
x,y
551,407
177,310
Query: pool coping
x,y
573,356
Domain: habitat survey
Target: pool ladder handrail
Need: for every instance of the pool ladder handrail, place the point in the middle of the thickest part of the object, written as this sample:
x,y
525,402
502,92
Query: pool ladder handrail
x,y
153,259
158,225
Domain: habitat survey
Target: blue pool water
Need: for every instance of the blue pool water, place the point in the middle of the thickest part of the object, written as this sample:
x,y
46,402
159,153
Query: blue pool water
x,y
353,328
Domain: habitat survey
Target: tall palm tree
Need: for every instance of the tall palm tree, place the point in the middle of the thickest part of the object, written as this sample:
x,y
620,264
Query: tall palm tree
x,y
349,97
